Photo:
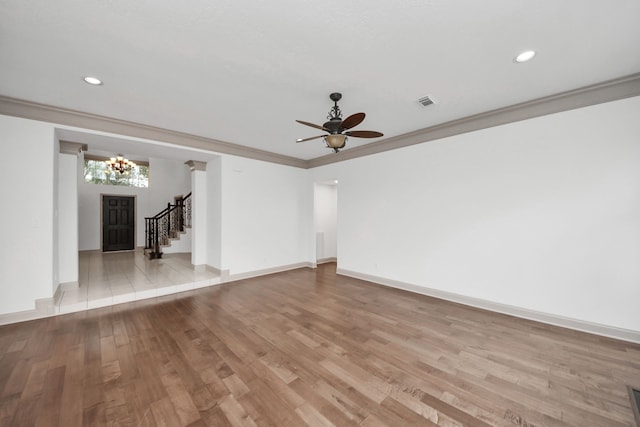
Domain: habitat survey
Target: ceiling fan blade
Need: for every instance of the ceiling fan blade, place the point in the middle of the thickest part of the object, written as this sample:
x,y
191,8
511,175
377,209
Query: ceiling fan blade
x,y
364,134
313,126
309,139
352,121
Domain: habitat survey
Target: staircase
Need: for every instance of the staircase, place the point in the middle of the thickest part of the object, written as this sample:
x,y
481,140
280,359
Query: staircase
x,y
166,225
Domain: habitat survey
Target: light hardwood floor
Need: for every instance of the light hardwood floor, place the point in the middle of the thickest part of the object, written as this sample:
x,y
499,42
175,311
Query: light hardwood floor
x,y
307,347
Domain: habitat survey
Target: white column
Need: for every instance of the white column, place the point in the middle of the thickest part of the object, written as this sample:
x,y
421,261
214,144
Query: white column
x,y
68,170
198,212
214,214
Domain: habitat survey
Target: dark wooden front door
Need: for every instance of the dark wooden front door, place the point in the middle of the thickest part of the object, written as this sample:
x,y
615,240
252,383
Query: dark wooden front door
x,y
118,223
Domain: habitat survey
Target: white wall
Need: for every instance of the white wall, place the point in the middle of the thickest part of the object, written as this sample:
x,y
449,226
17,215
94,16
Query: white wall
x,y
326,217
68,217
167,179
27,180
267,212
214,213
542,214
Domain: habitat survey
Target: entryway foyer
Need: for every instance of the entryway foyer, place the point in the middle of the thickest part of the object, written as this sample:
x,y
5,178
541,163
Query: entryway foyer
x,y
113,278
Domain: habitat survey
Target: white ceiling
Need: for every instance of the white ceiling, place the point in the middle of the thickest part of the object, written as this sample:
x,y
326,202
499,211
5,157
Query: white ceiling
x,y
242,72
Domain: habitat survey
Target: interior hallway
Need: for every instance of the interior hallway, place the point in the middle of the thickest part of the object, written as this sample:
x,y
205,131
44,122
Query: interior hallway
x,y
117,277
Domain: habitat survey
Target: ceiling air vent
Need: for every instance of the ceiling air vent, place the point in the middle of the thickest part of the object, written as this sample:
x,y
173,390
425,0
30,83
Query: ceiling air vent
x,y
426,100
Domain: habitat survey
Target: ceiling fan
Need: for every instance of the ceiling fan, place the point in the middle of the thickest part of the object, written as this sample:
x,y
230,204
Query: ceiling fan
x,y
335,127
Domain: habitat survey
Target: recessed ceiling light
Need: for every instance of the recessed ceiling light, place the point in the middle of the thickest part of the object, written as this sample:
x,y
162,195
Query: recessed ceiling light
x,y
525,56
93,80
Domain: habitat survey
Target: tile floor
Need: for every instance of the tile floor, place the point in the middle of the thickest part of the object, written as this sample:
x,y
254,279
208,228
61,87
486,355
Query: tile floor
x,y
113,278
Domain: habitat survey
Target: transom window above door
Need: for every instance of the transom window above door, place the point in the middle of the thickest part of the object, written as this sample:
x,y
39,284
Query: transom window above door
x,y
96,171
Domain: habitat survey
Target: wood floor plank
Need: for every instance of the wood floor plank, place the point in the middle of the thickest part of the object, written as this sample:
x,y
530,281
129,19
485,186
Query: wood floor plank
x,y
312,417
49,403
164,413
235,413
72,391
354,412
8,409
215,417
308,347
323,408
26,412
180,398
265,407
35,381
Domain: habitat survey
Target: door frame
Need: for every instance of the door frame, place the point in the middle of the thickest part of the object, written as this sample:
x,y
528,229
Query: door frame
x,y
135,221
333,183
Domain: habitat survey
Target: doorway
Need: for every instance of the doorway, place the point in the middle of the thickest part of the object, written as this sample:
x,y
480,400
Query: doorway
x,y
326,221
118,223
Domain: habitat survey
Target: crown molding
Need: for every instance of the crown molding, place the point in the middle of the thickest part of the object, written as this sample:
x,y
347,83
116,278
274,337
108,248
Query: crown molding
x,y
47,113
612,90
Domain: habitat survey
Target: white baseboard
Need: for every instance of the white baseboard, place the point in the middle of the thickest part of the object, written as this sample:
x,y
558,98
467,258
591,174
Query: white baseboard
x,y
201,267
326,260
68,286
206,267
57,295
44,308
21,316
61,288
552,319
263,272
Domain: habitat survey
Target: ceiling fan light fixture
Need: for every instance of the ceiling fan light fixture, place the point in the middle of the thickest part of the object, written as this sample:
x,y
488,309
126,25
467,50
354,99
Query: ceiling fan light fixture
x,y
335,141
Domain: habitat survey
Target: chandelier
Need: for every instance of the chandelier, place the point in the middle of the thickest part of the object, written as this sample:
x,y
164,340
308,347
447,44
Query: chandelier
x,y
120,164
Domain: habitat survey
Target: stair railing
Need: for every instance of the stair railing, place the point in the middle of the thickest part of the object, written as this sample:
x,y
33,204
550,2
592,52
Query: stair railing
x,y
165,225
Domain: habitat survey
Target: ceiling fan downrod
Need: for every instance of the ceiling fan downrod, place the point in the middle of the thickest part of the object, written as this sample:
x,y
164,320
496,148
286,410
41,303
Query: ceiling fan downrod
x,y
335,113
